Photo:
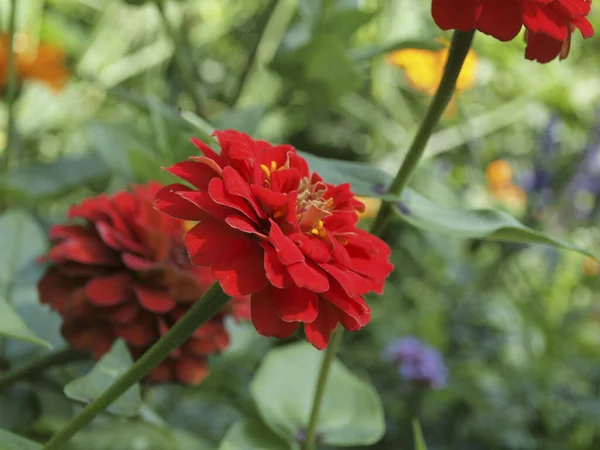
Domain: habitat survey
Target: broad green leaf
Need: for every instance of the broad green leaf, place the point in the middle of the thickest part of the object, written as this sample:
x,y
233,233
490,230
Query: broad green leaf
x,y
480,224
19,408
21,241
351,412
251,435
121,434
10,441
425,214
418,436
110,367
12,326
47,181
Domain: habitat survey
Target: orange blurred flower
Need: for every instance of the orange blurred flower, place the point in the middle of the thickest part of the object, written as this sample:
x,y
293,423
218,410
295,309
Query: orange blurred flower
x,y
499,175
45,63
424,68
590,266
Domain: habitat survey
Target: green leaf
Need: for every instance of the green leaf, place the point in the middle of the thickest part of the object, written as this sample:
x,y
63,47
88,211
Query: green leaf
x,y
244,119
114,144
418,436
110,367
373,51
121,434
47,181
9,441
351,412
480,224
12,326
425,214
21,241
251,435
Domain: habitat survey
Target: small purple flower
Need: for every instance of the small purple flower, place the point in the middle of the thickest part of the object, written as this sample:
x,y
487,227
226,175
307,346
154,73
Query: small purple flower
x,y
417,362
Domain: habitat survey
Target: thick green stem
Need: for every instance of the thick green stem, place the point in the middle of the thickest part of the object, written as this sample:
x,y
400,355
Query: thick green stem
x,y
183,62
461,43
11,89
37,366
203,310
332,348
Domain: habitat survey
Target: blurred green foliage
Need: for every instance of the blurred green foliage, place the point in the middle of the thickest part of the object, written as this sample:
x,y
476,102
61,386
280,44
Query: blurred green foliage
x,y
519,326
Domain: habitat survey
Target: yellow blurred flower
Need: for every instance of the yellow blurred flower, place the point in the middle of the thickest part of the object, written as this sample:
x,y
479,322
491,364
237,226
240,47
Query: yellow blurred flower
x,y
372,206
510,195
498,174
44,62
424,68
590,266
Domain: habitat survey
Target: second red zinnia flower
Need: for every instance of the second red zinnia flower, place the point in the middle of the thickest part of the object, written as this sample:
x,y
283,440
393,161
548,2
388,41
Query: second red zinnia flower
x,y
270,228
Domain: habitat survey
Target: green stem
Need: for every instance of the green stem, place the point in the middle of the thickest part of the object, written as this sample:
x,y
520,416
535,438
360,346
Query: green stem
x,y
11,89
332,348
36,366
209,305
461,43
183,62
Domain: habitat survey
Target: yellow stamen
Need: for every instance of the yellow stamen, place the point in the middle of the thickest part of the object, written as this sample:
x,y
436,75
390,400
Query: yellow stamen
x,y
273,166
314,232
320,224
279,213
266,170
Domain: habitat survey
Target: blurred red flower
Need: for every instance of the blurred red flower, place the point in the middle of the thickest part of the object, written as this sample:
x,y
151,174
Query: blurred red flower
x,y
270,228
548,23
123,272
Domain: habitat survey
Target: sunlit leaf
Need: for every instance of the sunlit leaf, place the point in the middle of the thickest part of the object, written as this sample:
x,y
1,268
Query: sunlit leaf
x,y
10,441
251,435
110,367
351,412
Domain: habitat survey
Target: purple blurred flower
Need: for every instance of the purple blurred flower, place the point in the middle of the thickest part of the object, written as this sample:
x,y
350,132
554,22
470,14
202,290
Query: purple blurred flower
x,y
417,362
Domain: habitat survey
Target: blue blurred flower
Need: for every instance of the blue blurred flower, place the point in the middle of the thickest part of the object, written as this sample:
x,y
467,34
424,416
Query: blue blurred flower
x,y
417,362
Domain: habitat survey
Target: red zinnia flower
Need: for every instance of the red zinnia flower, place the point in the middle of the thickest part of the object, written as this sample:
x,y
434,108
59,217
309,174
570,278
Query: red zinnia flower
x,y
549,23
123,272
270,228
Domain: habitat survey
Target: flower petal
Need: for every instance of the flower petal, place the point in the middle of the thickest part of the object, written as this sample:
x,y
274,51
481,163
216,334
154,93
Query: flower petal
x,y
295,304
265,319
110,290
239,267
157,301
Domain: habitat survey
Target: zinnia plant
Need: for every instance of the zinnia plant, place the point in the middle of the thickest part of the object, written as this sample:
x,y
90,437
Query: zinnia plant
x,y
270,228
121,271
548,23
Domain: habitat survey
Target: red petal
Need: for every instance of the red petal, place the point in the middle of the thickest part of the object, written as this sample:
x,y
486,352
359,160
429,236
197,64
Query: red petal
x,y
205,203
265,319
307,275
195,173
243,224
84,250
276,272
135,262
190,370
312,247
236,185
295,304
217,192
142,332
239,267
456,14
352,283
353,306
501,18
154,300
319,331
169,201
286,249
110,290
207,239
